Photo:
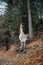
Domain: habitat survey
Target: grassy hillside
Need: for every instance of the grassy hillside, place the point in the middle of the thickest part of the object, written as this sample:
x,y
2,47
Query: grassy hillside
x,y
33,55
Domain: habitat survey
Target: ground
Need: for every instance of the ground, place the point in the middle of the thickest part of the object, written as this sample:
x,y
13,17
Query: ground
x,y
33,55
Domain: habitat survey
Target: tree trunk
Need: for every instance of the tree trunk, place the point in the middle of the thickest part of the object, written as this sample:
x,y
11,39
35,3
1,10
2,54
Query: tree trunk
x,y
30,21
12,2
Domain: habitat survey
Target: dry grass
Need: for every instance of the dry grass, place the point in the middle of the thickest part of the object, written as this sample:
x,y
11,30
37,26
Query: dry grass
x,y
33,55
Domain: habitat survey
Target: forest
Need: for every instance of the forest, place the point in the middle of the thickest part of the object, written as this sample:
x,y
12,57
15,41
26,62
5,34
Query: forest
x,y
12,14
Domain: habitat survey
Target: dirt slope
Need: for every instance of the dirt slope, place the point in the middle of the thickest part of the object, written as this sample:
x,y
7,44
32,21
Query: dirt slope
x,y
33,55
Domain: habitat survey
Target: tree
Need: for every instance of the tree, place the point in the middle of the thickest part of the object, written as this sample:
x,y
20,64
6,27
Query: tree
x,y
29,20
12,2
